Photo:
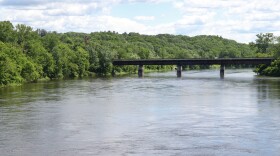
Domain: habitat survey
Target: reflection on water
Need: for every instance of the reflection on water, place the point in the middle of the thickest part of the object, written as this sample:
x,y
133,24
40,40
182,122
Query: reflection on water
x,y
268,88
159,114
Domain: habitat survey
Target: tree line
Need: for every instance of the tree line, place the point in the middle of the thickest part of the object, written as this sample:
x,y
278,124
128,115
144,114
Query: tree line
x,y
28,55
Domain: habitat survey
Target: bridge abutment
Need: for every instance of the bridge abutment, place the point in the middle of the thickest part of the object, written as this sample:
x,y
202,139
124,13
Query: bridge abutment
x,y
179,70
140,70
222,71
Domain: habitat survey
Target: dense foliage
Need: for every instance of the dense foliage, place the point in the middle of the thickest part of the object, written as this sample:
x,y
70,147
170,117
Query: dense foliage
x,y
28,55
268,45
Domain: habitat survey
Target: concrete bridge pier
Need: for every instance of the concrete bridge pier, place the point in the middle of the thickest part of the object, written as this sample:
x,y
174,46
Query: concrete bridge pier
x,y
222,71
179,70
140,71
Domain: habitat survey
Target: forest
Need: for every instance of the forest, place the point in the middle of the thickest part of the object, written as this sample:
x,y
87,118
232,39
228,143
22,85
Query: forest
x,y
28,55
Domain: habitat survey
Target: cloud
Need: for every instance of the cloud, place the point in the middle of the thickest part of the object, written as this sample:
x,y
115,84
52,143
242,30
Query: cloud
x,y
20,3
144,18
82,16
41,2
72,9
240,20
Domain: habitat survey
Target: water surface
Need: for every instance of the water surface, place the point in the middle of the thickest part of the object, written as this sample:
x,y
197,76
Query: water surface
x,y
198,114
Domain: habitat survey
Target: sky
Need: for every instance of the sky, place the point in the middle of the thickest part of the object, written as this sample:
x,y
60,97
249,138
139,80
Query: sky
x,y
239,20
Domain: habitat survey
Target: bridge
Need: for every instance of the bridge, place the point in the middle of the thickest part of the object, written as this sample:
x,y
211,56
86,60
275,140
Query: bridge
x,y
180,62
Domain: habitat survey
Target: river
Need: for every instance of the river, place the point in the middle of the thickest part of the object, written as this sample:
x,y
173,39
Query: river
x,y
198,114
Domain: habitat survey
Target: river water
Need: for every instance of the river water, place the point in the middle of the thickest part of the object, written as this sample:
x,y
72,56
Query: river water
x,y
198,114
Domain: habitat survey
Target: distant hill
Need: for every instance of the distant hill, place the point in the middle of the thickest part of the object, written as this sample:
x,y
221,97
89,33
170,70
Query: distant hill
x,y
30,55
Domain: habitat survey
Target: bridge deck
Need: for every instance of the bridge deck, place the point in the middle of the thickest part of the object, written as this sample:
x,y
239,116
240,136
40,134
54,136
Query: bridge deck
x,y
219,61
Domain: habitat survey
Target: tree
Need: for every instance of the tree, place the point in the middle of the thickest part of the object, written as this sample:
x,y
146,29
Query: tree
x,y
7,33
275,48
9,67
82,61
50,40
42,32
105,61
24,34
93,58
263,42
39,55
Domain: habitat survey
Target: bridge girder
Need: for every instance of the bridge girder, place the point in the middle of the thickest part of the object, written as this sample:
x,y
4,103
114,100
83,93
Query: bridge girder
x,y
225,61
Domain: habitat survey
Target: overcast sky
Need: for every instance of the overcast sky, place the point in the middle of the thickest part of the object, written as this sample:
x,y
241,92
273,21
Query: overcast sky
x,y
240,20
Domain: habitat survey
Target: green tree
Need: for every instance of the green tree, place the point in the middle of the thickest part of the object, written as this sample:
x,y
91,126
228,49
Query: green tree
x,y
105,61
82,61
65,62
25,33
50,40
263,42
39,55
9,67
7,33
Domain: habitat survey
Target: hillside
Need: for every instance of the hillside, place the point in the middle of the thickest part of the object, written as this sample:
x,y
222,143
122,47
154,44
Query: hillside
x,y
28,55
